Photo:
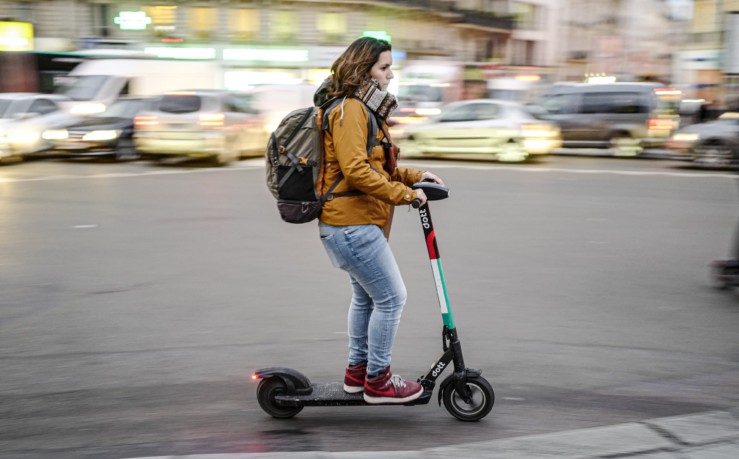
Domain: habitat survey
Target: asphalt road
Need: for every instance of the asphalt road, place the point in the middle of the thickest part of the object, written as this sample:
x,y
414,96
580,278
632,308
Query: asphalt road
x,y
137,299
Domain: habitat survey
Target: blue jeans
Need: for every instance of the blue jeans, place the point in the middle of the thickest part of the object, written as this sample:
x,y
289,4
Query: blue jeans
x,y
378,291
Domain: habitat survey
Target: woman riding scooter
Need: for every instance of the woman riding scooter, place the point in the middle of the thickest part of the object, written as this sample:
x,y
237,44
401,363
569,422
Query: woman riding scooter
x,y
351,226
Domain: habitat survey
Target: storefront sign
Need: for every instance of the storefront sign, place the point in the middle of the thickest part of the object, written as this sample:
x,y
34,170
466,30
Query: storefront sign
x,y
16,36
132,20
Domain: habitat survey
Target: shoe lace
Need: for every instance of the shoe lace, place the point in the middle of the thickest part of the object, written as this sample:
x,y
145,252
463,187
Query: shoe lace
x,y
397,381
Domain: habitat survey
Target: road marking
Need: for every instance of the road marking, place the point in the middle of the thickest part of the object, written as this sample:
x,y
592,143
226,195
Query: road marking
x,y
259,164
494,167
235,168
84,226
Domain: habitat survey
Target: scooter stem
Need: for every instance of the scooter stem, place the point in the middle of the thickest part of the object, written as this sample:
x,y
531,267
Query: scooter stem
x,y
436,268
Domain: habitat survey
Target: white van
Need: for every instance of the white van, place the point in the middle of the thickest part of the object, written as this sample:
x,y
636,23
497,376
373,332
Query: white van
x,y
96,83
271,103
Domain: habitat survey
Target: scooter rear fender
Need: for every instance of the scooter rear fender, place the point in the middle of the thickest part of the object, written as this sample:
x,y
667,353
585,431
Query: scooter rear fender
x,y
296,382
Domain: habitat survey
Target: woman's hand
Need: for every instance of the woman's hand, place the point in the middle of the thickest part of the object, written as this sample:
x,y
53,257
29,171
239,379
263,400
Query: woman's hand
x,y
431,176
421,196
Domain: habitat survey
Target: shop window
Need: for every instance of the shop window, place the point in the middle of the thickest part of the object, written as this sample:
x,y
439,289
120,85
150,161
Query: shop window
x,y
526,15
163,18
284,25
243,24
331,26
202,22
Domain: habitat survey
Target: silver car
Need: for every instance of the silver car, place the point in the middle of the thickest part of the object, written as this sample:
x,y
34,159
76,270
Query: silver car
x,y
196,124
498,129
23,119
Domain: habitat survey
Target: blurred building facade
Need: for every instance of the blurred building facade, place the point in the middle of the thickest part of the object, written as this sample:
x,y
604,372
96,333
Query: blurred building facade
x,y
272,41
628,39
521,33
707,61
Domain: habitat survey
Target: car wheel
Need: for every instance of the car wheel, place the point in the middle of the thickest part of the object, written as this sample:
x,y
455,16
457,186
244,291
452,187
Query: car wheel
x,y
228,153
622,144
126,150
714,153
512,152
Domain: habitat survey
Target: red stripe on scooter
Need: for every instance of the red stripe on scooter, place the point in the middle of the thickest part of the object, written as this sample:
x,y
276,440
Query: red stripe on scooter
x,y
430,239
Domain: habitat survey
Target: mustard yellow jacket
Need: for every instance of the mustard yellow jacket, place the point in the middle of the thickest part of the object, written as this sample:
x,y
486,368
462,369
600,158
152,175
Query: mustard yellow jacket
x,y
345,153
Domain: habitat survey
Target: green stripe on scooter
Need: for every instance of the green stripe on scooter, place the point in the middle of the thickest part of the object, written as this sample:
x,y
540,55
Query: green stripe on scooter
x,y
441,293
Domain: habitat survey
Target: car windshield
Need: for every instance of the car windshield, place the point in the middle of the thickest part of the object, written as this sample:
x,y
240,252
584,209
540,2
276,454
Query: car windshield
x,y
246,102
5,108
470,112
83,87
123,109
668,102
180,103
419,93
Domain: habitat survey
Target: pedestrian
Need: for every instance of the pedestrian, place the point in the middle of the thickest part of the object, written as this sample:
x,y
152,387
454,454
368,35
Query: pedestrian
x,y
353,227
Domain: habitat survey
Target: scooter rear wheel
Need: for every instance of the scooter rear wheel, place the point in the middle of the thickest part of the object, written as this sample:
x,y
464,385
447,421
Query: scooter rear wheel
x,y
481,401
266,392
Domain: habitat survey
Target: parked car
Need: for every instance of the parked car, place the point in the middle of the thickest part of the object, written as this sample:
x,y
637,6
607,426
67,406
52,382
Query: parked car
x,y
480,127
623,117
713,143
24,117
109,133
197,124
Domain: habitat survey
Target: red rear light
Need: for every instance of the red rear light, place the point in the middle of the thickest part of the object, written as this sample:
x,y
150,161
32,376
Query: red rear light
x,y
142,121
212,119
660,123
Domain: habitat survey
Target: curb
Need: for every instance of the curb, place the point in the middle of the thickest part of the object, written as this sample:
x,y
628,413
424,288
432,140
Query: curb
x,y
709,435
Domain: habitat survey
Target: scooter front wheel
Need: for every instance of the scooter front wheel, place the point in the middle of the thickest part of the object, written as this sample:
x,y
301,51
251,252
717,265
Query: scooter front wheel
x,y
481,399
267,390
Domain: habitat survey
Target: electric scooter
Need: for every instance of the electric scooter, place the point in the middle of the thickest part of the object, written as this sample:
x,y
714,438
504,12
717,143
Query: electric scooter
x,y
283,392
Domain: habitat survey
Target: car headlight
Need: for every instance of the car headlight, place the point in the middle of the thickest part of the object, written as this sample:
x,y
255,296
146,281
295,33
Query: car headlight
x,y
537,130
23,137
686,137
428,111
97,136
55,134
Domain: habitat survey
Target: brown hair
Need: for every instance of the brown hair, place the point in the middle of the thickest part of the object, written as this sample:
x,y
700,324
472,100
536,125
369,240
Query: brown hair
x,y
350,70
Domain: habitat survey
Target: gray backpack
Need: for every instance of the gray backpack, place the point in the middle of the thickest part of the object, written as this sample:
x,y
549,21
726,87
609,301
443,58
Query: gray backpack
x,y
295,162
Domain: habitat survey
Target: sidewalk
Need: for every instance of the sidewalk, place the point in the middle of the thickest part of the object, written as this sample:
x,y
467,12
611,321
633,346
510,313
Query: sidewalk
x,y
710,435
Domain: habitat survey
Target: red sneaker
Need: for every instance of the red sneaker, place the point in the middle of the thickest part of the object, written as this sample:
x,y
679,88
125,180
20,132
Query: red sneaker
x,y
389,388
354,378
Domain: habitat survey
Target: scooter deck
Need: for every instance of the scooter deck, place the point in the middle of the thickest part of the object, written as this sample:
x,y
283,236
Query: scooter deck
x,y
332,394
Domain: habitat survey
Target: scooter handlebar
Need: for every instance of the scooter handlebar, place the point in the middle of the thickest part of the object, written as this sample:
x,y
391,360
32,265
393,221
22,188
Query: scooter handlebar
x,y
433,191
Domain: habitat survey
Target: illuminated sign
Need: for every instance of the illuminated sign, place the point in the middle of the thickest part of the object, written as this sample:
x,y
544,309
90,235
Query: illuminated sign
x,y
182,53
16,36
599,78
379,34
132,20
265,55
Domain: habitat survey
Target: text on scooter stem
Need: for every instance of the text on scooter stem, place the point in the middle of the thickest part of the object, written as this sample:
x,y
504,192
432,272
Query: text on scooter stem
x,y
424,219
439,368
